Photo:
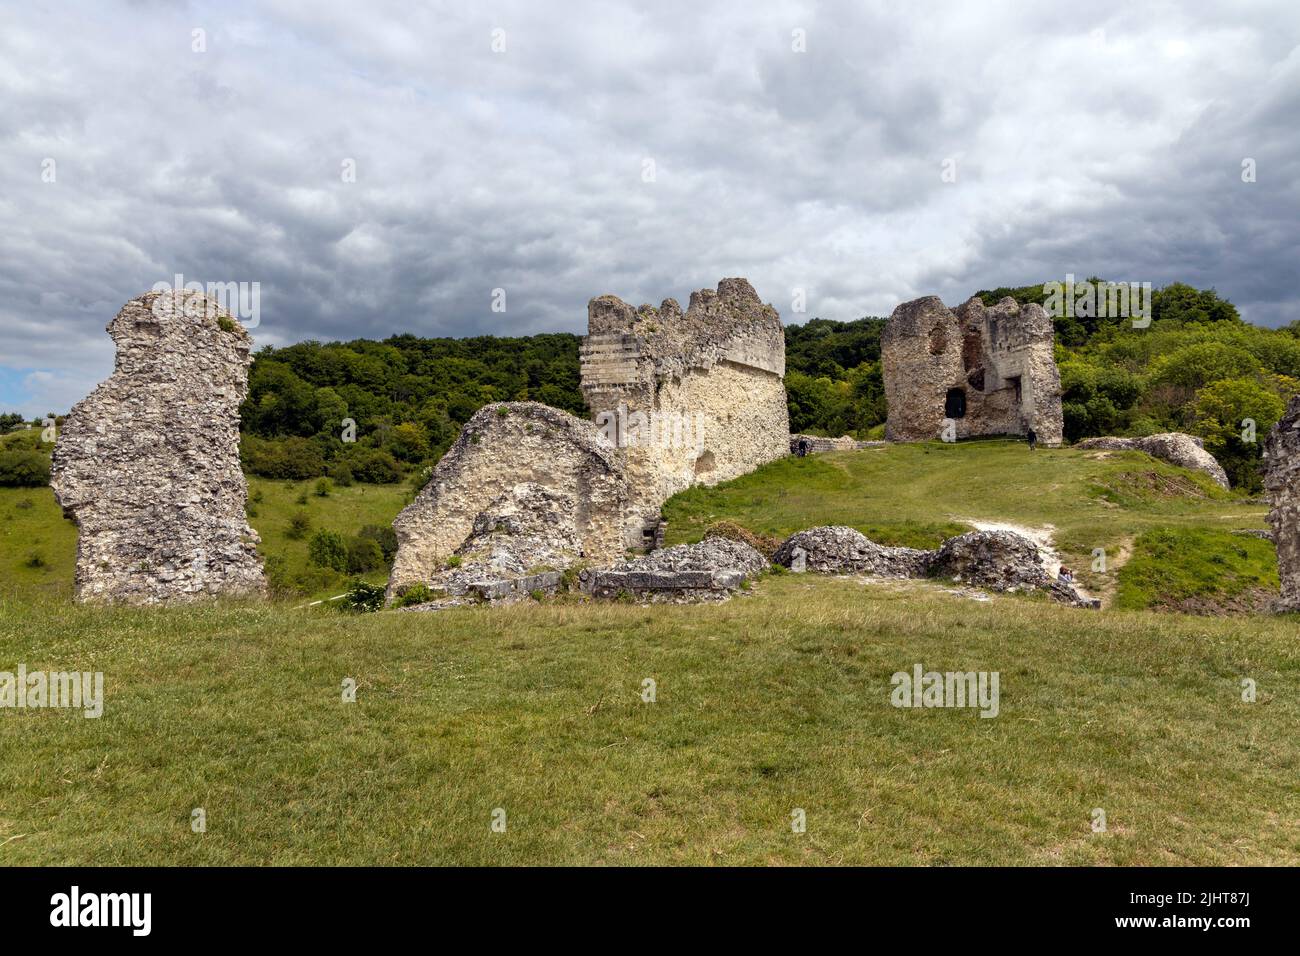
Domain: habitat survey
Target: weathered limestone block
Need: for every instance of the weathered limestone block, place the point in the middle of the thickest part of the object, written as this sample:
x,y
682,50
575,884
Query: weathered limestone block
x,y
148,464
1186,451
708,571
556,457
689,398
988,370
1282,485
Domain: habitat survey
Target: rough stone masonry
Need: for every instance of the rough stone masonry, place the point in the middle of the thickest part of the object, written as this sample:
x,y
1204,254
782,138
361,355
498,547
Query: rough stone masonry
x,y
679,399
987,370
694,397
148,464
1282,485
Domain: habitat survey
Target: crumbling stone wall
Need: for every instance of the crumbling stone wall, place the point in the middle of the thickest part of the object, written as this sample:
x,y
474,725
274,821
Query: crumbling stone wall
x,y
1282,485
694,397
511,459
148,464
990,371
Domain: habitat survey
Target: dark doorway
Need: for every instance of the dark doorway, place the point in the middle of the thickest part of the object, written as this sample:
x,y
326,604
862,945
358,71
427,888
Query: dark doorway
x,y
954,406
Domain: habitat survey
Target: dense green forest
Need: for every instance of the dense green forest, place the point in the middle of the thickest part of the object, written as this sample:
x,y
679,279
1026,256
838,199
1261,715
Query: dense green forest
x,y
385,411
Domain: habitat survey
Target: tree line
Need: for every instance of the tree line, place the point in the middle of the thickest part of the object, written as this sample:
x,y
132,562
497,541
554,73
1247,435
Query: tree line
x,y
385,411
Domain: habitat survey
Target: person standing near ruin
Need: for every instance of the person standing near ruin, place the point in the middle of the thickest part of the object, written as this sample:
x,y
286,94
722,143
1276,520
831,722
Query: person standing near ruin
x,y
1032,437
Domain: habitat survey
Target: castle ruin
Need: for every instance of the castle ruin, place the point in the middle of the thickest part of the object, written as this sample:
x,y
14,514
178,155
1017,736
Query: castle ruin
x,y
679,398
148,464
694,397
971,371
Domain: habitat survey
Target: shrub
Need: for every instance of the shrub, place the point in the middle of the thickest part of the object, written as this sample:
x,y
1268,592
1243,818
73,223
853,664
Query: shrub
x,y
299,525
24,469
364,554
34,559
414,594
341,474
363,597
376,467
385,537
324,487
327,549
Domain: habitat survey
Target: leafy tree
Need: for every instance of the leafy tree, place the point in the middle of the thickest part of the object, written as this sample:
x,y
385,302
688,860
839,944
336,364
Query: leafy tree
x,y
20,468
1221,413
328,549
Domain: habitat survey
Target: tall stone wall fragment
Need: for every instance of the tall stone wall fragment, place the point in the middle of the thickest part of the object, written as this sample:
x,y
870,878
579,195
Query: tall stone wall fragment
x,y
1282,485
694,397
985,370
148,464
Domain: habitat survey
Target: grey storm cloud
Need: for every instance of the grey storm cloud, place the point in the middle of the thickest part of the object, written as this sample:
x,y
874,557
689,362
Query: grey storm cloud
x,y
1107,140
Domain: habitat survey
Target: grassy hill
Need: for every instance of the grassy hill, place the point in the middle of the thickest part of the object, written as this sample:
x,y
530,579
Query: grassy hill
x,y
775,701
1175,523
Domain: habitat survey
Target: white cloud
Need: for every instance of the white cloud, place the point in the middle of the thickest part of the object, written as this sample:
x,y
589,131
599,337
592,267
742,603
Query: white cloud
x,y
1105,144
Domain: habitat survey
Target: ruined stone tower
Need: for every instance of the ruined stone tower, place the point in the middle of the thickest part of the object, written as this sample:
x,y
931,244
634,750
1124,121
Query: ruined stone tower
x,y
1282,485
148,464
990,371
690,398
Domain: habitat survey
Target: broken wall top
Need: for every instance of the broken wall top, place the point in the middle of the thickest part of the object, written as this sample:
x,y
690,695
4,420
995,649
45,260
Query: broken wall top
x,y
729,324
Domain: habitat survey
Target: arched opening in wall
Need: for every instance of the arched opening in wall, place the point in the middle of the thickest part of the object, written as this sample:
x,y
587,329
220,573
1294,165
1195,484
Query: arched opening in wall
x,y
704,464
938,340
954,406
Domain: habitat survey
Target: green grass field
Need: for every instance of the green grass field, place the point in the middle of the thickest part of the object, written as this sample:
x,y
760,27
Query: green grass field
x,y
774,702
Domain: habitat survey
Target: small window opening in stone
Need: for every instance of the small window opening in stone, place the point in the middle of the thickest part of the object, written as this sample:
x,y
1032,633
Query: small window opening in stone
x,y
938,340
954,406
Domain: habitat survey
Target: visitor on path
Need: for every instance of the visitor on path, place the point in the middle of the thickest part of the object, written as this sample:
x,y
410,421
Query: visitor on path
x,y
1032,437
1065,575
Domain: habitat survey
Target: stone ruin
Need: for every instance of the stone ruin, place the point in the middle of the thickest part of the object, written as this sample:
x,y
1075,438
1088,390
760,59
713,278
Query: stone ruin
x,y
528,491
1185,451
525,486
802,445
694,397
1282,485
148,464
996,560
987,370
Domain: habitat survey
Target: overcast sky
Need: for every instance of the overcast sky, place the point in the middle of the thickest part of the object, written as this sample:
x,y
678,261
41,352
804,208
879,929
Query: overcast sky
x,y
644,150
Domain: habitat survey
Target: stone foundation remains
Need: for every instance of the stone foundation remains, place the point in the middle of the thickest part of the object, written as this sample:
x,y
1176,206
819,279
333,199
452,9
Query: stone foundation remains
x,y
985,370
816,444
996,560
148,464
1282,485
712,570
